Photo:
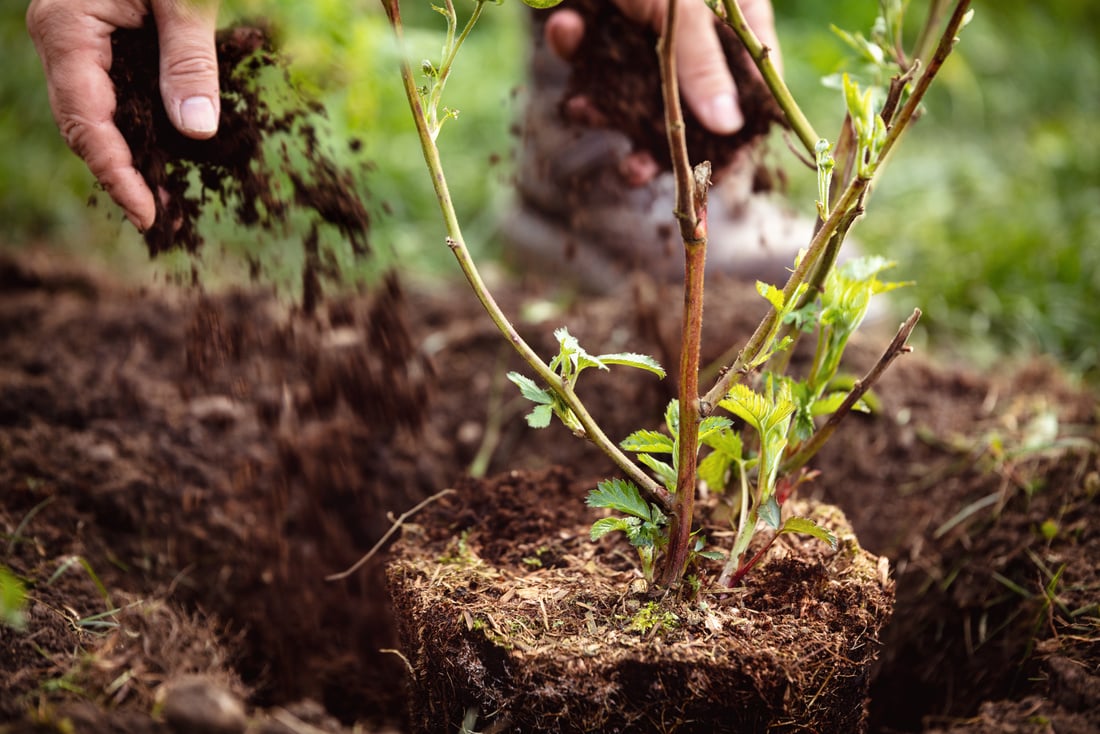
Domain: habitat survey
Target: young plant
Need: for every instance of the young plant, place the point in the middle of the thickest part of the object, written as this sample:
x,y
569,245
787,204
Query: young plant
x,y
772,423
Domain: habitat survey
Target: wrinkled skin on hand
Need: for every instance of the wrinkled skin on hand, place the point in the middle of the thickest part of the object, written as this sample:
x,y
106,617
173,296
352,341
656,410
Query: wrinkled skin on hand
x,y
73,40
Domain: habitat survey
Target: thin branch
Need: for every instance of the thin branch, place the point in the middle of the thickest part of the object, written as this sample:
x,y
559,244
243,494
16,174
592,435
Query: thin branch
x,y
761,55
389,533
896,348
653,491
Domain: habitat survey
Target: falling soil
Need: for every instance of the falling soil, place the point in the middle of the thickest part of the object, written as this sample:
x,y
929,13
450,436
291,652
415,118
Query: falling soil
x,y
266,164
615,68
210,484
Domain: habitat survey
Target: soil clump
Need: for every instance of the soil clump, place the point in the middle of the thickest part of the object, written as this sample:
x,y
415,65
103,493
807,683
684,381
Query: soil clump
x,y
266,166
616,70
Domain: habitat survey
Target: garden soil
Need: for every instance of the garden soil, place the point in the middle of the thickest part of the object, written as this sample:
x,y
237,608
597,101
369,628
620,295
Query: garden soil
x,y
180,471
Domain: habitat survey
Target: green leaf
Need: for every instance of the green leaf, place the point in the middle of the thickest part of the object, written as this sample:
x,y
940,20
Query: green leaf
x,y
652,442
712,555
530,389
806,526
540,416
769,512
606,525
770,292
665,473
672,417
712,425
541,4
12,600
639,361
713,470
620,495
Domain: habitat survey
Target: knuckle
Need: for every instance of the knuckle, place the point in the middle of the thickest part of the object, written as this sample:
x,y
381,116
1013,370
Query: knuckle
x,y
190,63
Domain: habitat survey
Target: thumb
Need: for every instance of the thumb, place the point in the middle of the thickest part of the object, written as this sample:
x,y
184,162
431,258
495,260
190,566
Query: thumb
x,y
189,64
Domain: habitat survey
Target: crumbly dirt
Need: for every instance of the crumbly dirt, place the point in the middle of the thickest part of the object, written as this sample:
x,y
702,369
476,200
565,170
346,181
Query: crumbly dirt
x,y
615,69
507,607
179,473
218,456
266,165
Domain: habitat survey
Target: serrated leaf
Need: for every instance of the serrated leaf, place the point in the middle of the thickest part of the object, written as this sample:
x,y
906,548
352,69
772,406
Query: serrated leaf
x,y
771,293
769,512
639,361
606,525
540,417
712,425
651,442
806,526
726,442
672,417
713,469
620,495
530,389
666,475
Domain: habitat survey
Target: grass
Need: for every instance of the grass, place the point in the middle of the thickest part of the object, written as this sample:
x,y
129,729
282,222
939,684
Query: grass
x,y
990,205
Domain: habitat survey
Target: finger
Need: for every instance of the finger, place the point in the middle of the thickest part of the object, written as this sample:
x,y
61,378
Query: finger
x,y
76,54
705,78
638,168
564,31
189,65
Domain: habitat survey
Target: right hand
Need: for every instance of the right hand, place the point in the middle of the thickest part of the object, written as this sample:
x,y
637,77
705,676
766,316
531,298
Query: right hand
x,y
73,39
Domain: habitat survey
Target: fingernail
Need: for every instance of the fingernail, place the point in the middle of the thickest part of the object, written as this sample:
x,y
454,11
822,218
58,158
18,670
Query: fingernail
x,y
198,116
722,115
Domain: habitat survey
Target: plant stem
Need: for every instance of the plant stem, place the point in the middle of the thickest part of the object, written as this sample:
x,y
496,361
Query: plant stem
x,y
896,348
840,218
761,55
653,491
767,326
909,109
691,212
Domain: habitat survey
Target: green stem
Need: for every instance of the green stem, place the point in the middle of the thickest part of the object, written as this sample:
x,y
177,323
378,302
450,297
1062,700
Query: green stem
x,y
653,491
896,348
757,342
761,55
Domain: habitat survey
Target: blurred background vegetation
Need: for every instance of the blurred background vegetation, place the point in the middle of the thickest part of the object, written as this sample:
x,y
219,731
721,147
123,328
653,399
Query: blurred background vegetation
x,y
992,204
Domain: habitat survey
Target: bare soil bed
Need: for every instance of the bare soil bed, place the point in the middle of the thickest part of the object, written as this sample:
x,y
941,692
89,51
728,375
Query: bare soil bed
x,y
210,459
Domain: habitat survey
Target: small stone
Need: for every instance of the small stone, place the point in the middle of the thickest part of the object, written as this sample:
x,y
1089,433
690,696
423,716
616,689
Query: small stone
x,y
198,705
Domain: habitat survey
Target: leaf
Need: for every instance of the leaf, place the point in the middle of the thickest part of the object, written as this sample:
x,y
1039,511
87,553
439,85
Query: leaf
x,y
806,526
651,442
672,417
769,512
540,417
639,361
713,470
620,495
712,425
665,473
606,525
770,292
541,4
712,555
530,389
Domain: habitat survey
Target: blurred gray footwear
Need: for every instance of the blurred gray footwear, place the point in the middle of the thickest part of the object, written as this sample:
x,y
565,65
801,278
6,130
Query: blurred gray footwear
x,y
577,219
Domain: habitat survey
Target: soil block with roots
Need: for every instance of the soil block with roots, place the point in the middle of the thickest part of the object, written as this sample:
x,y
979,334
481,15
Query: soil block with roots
x,y
510,614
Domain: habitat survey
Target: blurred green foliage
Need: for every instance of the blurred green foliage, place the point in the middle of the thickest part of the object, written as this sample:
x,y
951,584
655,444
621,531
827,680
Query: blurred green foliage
x,y
992,204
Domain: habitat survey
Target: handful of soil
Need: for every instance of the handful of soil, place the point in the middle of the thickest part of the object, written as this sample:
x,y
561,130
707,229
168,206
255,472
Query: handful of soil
x,y
265,167
616,67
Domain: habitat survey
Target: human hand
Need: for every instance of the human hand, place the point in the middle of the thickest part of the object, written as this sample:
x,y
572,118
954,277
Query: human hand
x,y
705,80
73,39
